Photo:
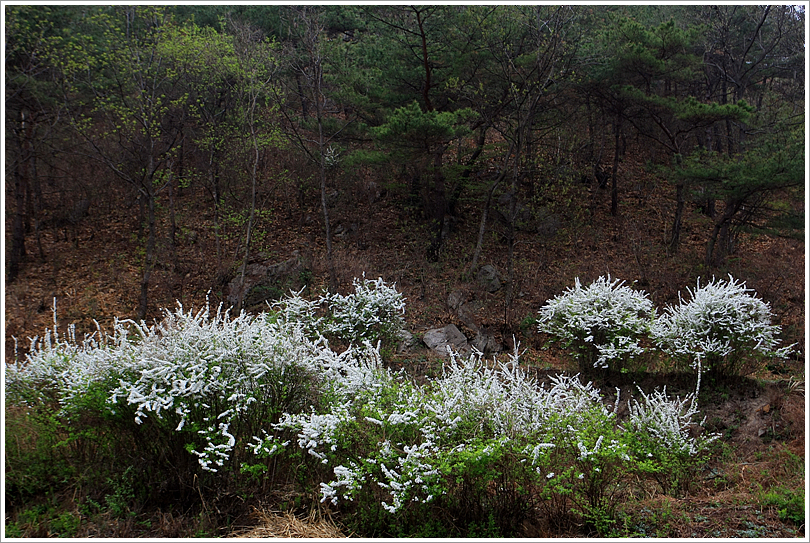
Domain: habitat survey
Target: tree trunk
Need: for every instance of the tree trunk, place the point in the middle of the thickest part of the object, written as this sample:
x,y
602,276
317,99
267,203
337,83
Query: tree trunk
x,y
172,219
425,61
37,207
322,150
438,205
302,97
21,181
675,238
465,173
214,169
614,186
483,226
327,226
510,261
149,261
18,224
141,215
251,218
716,252
485,212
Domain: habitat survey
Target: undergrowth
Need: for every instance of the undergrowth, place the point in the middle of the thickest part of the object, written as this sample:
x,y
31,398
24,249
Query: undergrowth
x,y
205,406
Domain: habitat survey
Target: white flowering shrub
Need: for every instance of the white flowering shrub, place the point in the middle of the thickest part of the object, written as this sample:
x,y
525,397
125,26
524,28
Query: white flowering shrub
x,y
374,311
667,438
199,376
208,373
298,311
57,368
604,322
409,450
264,400
722,327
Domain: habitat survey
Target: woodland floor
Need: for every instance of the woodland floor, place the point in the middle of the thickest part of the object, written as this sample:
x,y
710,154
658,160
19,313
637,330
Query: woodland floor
x,y
762,417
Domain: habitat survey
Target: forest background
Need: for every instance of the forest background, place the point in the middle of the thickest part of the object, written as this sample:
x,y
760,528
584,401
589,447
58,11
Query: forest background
x,y
477,156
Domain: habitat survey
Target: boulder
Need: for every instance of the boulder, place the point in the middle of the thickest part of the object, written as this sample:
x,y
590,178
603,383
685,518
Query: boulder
x,y
407,342
456,299
266,281
489,278
438,339
486,343
540,220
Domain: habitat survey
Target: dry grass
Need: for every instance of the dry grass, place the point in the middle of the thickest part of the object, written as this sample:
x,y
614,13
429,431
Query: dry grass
x,y
287,525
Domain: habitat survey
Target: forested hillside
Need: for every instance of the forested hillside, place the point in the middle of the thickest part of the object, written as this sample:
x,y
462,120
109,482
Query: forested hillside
x,y
480,158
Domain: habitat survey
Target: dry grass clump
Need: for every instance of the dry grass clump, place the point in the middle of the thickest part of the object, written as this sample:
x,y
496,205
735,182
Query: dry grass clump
x,y
278,524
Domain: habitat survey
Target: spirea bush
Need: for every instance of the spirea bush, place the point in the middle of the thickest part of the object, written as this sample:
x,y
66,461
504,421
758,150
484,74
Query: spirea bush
x,y
194,375
233,401
374,311
441,449
722,327
604,322
667,437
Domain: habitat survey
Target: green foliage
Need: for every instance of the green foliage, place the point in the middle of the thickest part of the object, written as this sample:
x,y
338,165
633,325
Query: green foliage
x,y
661,443
34,463
120,501
789,503
641,54
774,164
528,323
485,529
65,524
44,519
419,130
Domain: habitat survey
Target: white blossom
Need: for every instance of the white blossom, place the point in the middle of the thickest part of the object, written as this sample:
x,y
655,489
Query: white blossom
x,y
721,319
606,314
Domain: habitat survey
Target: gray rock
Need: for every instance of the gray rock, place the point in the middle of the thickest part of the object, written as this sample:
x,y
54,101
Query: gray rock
x,y
265,281
456,299
407,342
486,342
467,314
540,220
438,339
459,301
489,279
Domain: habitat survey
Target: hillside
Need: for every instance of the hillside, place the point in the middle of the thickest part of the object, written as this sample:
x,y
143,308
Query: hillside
x,y
577,237
571,234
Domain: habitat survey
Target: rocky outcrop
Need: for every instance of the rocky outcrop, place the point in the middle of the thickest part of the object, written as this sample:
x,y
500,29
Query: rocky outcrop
x,y
407,342
267,281
486,342
465,309
438,339
489,278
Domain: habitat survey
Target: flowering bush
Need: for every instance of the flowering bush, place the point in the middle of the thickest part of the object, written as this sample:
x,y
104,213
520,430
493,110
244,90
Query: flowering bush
x,y
295,310
603,321
372,312
409,450
723,327
233,398
194,374
666,437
